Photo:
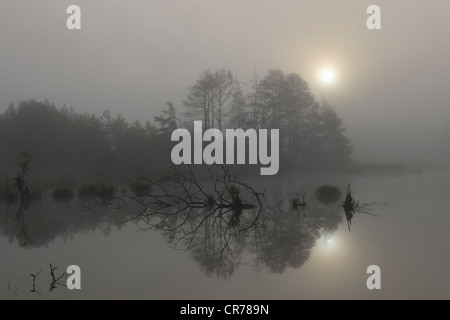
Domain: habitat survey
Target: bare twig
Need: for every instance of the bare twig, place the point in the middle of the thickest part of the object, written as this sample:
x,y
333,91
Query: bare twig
x,y
34,282
57,280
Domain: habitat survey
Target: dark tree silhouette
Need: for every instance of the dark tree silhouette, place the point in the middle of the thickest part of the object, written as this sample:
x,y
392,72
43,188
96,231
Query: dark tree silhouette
x,y
310,132
211,98
167,121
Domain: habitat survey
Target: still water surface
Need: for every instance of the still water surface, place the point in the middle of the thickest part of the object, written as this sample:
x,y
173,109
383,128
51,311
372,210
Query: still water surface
x,y
294,254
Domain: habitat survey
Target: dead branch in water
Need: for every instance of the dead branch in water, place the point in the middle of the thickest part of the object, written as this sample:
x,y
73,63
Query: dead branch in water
x,y
182,203
33,290
57,280
351,207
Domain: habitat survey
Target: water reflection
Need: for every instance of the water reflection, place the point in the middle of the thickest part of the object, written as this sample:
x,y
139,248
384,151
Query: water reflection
x,y
222,221
38,223
281,239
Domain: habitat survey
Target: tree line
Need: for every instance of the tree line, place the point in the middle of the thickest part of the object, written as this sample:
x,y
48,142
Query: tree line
x,y
63,138
310,132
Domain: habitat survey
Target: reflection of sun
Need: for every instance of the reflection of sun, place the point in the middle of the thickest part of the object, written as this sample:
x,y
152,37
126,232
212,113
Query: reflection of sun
x,y
329,246
328,241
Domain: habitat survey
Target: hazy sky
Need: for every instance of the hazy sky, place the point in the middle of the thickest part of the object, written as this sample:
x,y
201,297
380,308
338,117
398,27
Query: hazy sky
x,y
131,57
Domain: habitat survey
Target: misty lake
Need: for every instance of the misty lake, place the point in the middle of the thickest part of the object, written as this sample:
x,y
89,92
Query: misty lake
x,y
292,252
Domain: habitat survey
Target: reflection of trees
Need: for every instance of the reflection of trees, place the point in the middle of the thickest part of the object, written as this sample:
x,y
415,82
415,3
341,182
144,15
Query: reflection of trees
x,y
287,239
206,216
222,221
35,225
22,236
218,218
213,253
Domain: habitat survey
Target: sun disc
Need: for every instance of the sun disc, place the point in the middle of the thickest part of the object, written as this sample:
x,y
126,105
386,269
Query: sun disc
x,y
328,76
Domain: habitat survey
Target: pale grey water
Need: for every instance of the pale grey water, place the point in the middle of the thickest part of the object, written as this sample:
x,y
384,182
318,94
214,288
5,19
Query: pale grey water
x,y
293,260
